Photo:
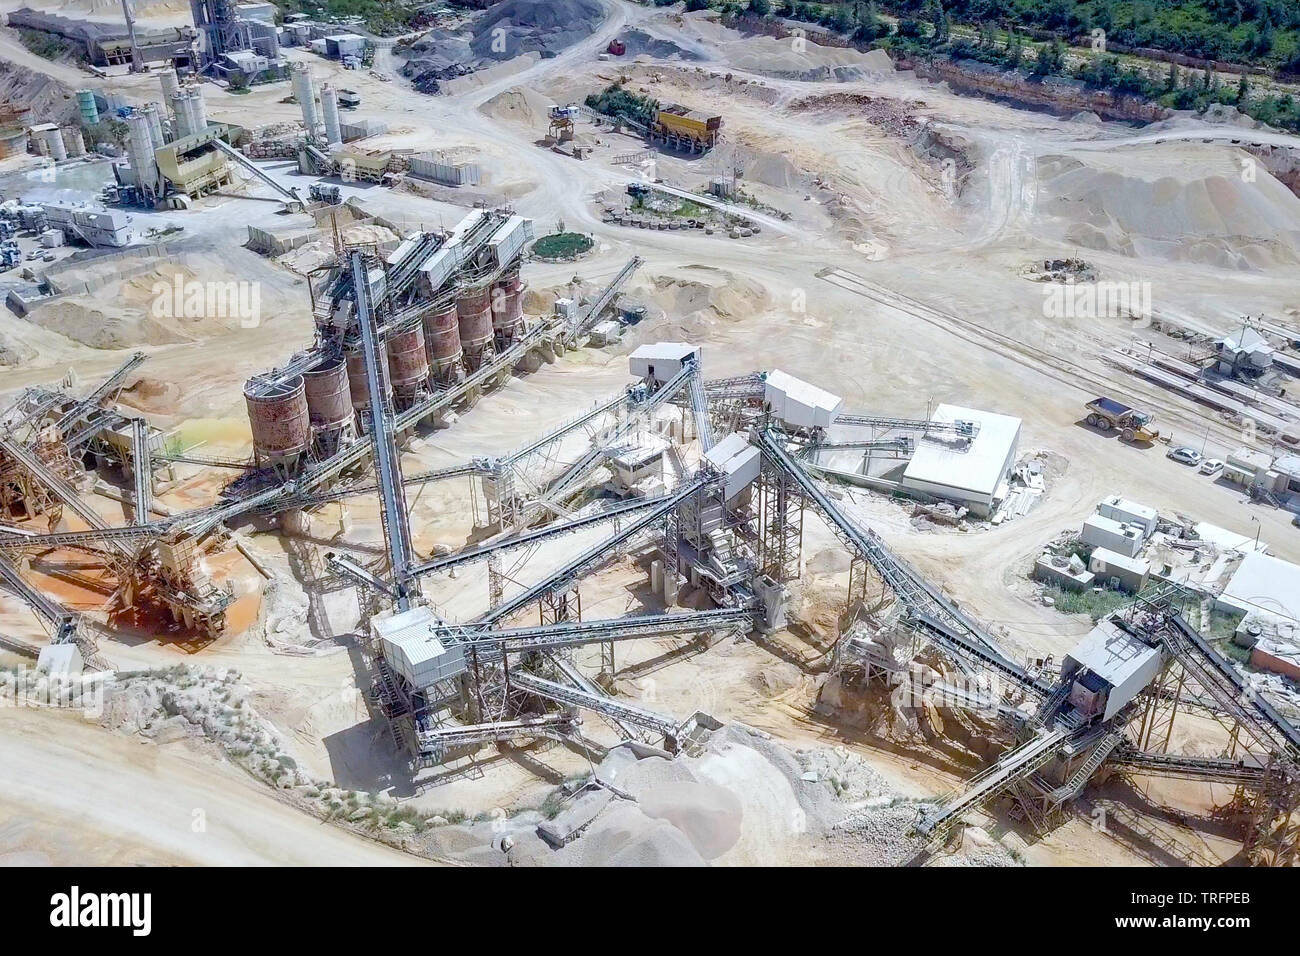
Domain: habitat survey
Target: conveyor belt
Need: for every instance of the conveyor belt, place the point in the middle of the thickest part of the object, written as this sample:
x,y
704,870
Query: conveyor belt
x,y
959,429
541,534
607,295
578,633
1222,680
60,618
101,391
739,386
61,489
596,455
1012,766
1188,768
77,539
937,617
142,470
439,740
598,553
397,532
615,709
700,408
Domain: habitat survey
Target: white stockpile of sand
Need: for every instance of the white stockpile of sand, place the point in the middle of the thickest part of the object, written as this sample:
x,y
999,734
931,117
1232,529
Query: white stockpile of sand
x,y
1190,208
321,251
519,105
187,300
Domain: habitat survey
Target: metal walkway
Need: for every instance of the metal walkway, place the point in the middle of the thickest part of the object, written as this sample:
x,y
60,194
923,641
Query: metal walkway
x,y
1012,766
932,613
61,619
547,637
598,552
607,706
468,555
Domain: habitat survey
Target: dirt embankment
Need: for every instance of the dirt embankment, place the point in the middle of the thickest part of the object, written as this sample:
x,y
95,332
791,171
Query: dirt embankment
x,y
1064,98
49,100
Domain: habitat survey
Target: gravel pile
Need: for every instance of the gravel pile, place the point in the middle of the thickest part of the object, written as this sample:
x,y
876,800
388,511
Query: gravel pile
x,y
507,30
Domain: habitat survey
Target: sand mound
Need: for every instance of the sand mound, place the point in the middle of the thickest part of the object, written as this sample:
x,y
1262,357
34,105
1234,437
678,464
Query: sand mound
x,y
14,352
778,58
519,105
151,395
773,169
1198,211
315,254
721,296
124,303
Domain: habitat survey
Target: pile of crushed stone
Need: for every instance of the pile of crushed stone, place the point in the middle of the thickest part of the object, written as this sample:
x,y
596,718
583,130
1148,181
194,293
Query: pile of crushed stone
x,y
506,31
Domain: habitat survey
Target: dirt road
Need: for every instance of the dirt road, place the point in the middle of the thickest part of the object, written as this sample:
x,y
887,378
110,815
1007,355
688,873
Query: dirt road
x,y
75,794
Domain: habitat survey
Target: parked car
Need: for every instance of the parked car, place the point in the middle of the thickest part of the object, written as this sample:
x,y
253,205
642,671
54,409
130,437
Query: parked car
x,y
1184,455
1211,466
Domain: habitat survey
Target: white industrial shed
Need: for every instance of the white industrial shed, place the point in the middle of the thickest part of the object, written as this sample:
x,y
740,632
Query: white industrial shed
x,y
1109,667
972,474
411,646
1265,585
798,404
660,361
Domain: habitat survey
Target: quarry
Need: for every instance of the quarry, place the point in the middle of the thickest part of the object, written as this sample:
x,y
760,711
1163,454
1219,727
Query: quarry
x,y
604,434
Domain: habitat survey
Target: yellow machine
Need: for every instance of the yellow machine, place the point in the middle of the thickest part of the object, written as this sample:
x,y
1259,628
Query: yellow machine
x,y
687,129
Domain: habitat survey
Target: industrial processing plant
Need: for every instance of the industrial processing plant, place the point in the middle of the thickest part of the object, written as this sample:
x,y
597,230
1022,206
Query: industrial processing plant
x,y
605,433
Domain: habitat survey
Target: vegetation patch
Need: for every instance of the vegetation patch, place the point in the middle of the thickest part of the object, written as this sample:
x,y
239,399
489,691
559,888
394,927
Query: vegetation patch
x,y
562,245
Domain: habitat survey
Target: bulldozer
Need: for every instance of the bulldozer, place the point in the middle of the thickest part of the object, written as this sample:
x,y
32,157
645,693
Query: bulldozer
x,y
1135,426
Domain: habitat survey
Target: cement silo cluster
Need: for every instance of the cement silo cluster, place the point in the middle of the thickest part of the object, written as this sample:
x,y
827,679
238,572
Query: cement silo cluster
x,y
452,304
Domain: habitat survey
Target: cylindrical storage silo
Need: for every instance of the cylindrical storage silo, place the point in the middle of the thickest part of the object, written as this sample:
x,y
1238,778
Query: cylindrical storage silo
x,y
278,418
304,94
181,115
357,386
155,125
508,305
408,363
329,403
329,107
170,84
474,315
139,147
442,339
329,399
54,145
89,109
198,110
